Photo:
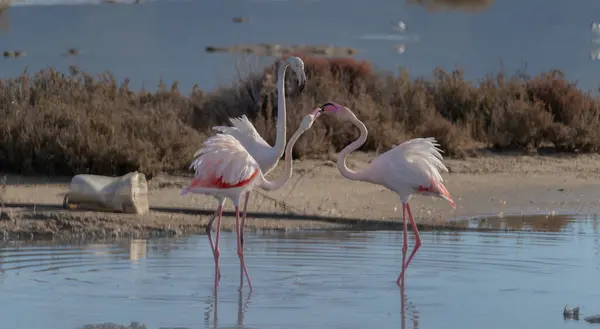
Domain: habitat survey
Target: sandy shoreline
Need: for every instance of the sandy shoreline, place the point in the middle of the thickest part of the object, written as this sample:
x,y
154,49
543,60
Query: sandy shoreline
x,y
318,197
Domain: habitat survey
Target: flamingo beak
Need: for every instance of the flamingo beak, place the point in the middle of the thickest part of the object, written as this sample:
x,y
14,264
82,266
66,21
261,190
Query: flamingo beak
x,y
301,86
301,83
442,192
446,196
450,201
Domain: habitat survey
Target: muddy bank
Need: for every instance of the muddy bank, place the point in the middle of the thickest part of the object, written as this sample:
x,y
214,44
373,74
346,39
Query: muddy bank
x,y
318,197
51,222
284,50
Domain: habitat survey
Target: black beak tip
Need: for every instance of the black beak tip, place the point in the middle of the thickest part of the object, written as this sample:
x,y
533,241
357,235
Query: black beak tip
x,y
301,86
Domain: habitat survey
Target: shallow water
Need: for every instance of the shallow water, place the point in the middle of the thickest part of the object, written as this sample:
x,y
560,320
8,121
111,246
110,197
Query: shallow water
x,y
308,280
168,38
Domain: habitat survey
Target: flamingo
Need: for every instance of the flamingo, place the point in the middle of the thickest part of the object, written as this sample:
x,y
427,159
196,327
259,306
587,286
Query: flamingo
x,y
225,169
243,130
412,167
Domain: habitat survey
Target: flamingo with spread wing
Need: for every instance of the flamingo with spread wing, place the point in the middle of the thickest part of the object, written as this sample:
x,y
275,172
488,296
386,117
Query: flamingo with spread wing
x,y
224,168
266,156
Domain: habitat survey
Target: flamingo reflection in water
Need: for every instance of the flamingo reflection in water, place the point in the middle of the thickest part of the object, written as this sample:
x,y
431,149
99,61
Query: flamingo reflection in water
x,y
410,308
242,309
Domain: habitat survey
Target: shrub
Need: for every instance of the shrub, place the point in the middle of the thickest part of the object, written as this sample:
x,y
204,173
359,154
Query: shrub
x,y
58,124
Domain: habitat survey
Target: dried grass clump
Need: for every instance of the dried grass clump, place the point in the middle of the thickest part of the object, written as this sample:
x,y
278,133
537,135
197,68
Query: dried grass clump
x,y
59,124
56,124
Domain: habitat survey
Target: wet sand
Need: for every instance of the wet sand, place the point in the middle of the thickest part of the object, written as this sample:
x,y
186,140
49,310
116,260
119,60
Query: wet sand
x,y
318,197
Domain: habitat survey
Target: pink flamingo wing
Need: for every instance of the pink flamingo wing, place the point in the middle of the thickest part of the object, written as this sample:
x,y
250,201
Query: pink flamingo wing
x,y
223,163
217,182
416,164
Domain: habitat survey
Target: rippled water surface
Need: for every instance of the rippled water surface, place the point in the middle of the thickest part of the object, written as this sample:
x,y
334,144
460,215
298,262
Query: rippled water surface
x,y
168,38
308,280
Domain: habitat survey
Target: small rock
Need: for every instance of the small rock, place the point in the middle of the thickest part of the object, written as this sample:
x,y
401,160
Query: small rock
x,y
137,325
4,216
571,313
593,318
240,20
72,52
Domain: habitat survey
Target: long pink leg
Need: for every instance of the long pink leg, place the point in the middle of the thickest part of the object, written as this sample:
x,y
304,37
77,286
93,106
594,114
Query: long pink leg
x,y
417,235
405,244
242,235
240,249
244,216
209,231
217,252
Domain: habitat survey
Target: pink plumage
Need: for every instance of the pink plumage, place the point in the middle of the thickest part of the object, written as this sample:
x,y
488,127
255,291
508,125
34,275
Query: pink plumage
x,y
224,168
221,164
217,164
414,166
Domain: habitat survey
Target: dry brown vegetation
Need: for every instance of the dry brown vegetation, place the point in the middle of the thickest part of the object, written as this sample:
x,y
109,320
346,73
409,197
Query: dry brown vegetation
x,y
62,124
4,20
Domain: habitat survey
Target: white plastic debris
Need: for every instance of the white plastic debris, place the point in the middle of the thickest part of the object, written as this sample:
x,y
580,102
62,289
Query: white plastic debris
x,y
127,193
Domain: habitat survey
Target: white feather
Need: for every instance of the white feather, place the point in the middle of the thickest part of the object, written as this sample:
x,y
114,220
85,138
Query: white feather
x,y
246,134
414,162
223,156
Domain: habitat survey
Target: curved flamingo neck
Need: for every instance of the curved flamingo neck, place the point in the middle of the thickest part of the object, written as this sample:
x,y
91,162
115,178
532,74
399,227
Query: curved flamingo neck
x,y
281,115
341,163
287,169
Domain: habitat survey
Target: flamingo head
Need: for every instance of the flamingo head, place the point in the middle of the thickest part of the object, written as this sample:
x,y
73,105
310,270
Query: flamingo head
x,y
297,65
334,108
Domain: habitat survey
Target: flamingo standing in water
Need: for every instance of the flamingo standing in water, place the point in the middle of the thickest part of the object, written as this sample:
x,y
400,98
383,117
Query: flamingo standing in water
x,y
225,169
265,155
412,167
